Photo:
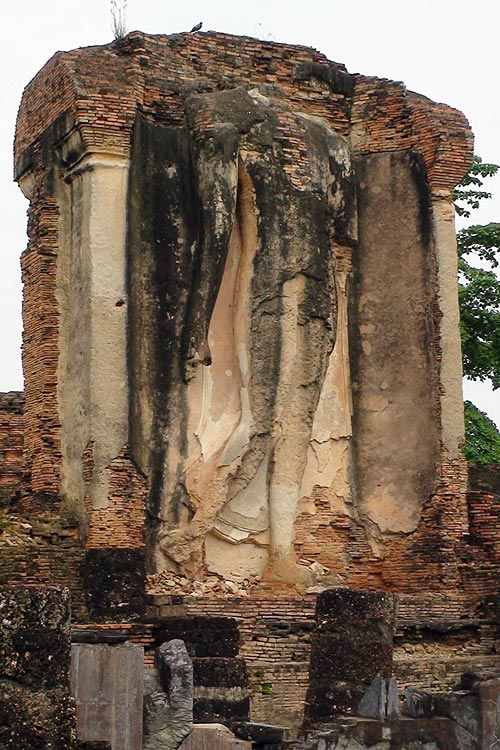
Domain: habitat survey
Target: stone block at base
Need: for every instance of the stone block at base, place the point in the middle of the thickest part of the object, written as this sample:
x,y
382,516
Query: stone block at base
x,y
36,709
107,682
213,737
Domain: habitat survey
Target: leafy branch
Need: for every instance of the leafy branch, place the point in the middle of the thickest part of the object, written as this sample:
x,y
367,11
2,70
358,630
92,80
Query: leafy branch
x,y
472,196
479,297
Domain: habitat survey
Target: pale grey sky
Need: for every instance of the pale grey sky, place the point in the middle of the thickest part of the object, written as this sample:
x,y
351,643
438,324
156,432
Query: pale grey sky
x,y
445,49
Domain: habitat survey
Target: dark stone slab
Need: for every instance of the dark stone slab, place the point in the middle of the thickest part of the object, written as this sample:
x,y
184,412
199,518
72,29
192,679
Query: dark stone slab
x,y
36,710
366,732
373,703
393,709
35,719
325,701
213,737
220,672
99,636
223,710
418,704
203,636
35,635
259,734
107,682
489,694
371,612
220,690
352,645
436,733
349,659
471,680
462,706
115,583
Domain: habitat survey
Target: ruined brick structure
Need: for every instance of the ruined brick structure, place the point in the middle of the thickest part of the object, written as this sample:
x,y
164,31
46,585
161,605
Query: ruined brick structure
x,y
181,187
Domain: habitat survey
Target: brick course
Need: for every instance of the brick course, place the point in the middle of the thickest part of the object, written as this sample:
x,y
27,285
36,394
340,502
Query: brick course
x,y
11,447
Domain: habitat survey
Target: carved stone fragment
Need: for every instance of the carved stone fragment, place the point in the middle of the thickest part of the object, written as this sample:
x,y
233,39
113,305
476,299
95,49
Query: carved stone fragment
x,y
419,704
380,700
253,303
393,709
168,708
374,701
259,734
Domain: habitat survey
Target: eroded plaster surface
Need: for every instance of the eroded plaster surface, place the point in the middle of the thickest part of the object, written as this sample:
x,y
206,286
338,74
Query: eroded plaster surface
x,y
395,429
261,390
203,327
91,283
452,417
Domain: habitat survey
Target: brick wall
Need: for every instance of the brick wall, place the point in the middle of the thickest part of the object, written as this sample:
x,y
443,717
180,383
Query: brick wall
x,y
121,524
103,86
438,636
43,550
11,447
42,452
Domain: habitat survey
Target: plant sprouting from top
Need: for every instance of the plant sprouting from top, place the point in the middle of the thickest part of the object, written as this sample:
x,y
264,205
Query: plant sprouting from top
x,y
119,18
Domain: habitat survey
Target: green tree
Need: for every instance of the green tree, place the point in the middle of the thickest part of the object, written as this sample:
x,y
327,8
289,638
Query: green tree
x,y
479,296
469,193
482,443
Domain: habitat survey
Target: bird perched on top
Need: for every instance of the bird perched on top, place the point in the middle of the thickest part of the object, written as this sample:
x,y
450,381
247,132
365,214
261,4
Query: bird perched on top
x,y
197,27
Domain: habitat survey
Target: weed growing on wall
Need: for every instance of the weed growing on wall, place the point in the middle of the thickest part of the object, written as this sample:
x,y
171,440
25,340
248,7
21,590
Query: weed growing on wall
x,y
119,18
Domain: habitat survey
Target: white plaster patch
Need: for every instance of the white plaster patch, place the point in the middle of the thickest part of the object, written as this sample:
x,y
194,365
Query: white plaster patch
x,y
213,433
385,508
452,417
92,377
234,562
240,437
283,503
376,403
249,510
328,466
328,456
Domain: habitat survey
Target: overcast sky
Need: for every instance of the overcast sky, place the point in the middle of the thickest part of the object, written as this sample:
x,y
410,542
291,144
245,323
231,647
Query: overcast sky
x,y
445,49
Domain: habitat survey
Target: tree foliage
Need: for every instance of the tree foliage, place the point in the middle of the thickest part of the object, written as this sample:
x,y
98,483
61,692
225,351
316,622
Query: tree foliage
x,y
469,191
482,444
479,296
479,287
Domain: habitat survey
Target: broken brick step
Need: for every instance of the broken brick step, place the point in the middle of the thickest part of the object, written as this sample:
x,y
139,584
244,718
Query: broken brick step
x,y
220,690
204,636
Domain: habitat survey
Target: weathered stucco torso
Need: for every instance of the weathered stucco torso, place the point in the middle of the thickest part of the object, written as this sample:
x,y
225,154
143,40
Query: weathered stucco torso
x,y
252,307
